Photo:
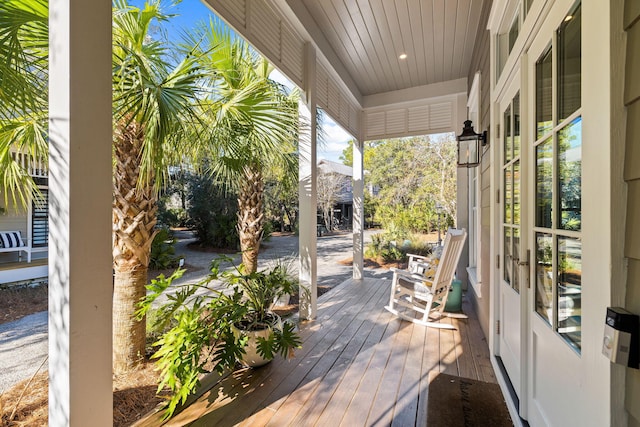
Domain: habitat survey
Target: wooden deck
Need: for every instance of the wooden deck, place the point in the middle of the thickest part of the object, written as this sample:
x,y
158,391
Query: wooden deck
x,y
358,366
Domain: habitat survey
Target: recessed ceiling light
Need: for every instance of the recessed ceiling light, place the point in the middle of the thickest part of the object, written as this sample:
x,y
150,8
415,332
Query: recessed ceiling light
x,y
568,18
403,56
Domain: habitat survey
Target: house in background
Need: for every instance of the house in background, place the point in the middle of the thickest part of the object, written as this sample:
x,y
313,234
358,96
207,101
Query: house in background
x,y
30,263
334,187
551,209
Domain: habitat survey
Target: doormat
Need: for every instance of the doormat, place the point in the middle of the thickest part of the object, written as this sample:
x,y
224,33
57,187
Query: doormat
x,y
463,402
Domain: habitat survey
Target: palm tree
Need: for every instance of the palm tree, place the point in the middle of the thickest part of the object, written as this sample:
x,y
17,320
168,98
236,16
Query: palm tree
x,y
154,108
24,40
256,124
153,105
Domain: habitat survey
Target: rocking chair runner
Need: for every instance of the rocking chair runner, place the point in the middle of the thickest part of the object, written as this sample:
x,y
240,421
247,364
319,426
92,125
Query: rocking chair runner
x,y
423,294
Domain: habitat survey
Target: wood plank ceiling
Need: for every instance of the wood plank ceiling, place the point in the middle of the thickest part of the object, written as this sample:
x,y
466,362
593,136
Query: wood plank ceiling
x,y
368,36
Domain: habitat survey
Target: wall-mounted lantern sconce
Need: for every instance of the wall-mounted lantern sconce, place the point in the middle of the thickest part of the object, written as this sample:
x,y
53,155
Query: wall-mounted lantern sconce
x,y
470,145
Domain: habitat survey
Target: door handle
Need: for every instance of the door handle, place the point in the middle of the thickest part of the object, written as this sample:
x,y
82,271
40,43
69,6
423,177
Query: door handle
x,y
525,263
521,263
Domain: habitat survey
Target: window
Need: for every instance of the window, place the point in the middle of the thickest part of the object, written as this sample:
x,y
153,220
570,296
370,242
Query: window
x,y
39,218
515,15
506,40
558,174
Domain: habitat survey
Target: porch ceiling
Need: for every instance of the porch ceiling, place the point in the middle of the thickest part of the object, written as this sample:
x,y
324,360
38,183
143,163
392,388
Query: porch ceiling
x,y
358,77
367,36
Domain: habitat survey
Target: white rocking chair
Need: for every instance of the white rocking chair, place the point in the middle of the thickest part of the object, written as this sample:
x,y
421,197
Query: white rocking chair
x,y
421,292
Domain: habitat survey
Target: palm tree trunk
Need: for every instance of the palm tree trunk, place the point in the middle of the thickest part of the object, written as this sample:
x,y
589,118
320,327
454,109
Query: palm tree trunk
x,y
128,333
250,216
134,219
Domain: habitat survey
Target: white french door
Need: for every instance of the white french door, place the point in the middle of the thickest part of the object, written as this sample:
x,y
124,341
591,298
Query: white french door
x,y
512,258
555,343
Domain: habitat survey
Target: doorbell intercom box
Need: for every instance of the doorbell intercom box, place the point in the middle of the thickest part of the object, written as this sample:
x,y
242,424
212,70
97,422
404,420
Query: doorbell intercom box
x,y
620,343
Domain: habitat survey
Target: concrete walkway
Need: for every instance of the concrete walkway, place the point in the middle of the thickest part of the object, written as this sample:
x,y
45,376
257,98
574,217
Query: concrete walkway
x,y
24,344
23,347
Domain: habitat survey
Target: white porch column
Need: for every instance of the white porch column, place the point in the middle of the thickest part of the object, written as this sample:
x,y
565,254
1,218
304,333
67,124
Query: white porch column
x,y
307,191
80,279
358,210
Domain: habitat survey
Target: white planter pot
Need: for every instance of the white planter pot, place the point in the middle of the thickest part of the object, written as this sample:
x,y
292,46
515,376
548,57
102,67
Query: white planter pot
x,y
252,358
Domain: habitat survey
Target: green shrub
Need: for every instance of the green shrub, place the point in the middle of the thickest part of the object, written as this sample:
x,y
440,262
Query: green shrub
x,y
419,244
172,217
394,245
212,213
267,230
384,247
163,252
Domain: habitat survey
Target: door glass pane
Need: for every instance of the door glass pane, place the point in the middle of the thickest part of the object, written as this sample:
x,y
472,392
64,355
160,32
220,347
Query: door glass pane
x,y
516,192
527,6
544,276
516,125
507,255
508,194
508,150
570,289
569,64
513,32
544,183
502,52
516,258
570,175
544,96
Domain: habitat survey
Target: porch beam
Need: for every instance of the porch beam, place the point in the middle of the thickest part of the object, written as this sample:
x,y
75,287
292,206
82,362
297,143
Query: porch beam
x,y
416,94
80,280
307,163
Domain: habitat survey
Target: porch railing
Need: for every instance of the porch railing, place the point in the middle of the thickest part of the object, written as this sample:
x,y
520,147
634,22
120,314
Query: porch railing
x,y
36,167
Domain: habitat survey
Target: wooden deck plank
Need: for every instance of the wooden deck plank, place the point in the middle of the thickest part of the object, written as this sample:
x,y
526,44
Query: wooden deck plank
x,y
448,362
406,408
466,364
371,352
359,365
272,395
321,396
382,408
355,395
479,345
431,360
347,339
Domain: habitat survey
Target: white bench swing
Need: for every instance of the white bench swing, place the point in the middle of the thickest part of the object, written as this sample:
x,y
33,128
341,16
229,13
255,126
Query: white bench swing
x,y
11,241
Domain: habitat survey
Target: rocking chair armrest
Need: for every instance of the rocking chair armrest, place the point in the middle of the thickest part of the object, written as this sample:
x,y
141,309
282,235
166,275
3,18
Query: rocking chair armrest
x,y
419,258
410,276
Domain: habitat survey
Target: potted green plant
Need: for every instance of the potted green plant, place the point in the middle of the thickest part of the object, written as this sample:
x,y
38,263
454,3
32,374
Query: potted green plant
x,y
211,329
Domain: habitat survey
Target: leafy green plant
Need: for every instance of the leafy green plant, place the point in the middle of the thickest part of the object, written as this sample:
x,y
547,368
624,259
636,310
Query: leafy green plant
x,y
202,324
384,247
171,217
394,244
163,251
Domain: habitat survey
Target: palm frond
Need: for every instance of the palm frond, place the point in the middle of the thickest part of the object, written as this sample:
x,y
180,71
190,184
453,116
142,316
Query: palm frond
x,y
23,57
162,97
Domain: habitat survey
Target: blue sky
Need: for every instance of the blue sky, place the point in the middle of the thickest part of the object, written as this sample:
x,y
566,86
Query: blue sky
x,y
190,12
